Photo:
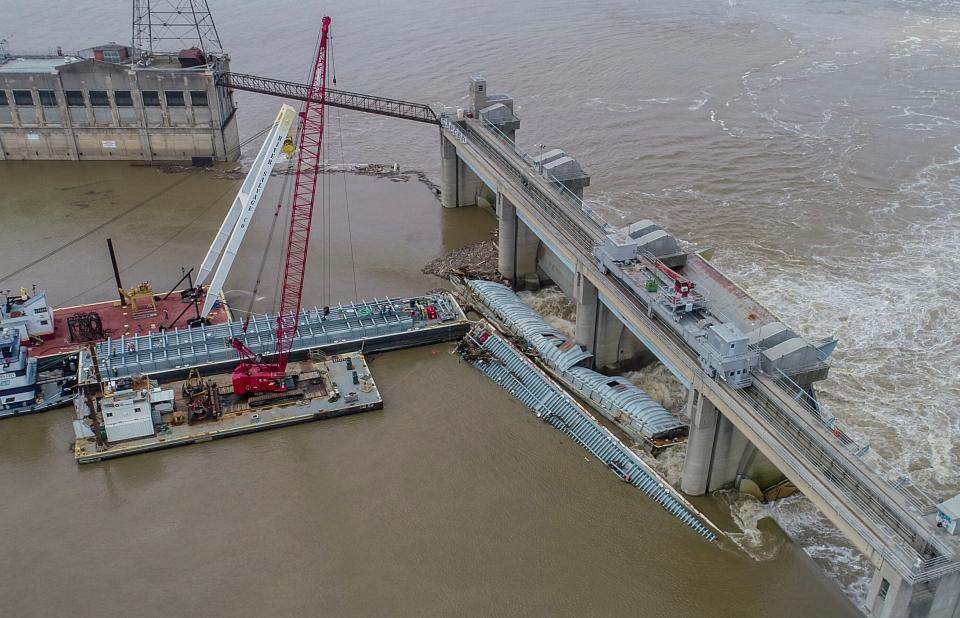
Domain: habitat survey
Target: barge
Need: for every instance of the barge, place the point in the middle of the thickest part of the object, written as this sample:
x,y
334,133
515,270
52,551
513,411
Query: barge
x,y
139,414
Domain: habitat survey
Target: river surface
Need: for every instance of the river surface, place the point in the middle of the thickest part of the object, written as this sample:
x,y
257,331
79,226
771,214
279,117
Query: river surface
x,y
816,144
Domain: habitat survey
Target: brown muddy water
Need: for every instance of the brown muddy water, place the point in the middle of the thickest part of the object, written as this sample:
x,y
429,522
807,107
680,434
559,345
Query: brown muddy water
x,y
452,500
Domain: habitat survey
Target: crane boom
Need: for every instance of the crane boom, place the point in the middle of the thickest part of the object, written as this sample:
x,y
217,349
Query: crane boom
x,y
235,224
252,375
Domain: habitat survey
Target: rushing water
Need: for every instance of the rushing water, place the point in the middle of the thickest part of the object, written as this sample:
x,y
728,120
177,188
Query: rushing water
x,y
815,143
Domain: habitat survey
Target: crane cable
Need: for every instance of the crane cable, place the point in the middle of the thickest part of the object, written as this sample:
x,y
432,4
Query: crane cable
x,y
166,242
346,198
95,229
266,250
113,219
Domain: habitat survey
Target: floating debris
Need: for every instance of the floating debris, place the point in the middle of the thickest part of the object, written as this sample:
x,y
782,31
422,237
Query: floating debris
x,y
476,261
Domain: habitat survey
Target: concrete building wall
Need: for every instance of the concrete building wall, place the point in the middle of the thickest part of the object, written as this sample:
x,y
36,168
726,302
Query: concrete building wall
x,y
91,110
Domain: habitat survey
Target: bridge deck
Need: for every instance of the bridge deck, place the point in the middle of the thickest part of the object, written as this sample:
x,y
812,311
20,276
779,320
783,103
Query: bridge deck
x,y
886,523
418,112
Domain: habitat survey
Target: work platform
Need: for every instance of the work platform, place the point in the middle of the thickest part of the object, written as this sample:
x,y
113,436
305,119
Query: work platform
x,y
334,395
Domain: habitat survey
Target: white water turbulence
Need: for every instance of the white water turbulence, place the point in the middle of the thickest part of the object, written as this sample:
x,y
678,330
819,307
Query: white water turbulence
x,y
657,381
554,306
825,545
747,512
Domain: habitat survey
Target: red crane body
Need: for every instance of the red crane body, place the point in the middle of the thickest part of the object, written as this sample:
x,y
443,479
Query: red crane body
x,y
253,375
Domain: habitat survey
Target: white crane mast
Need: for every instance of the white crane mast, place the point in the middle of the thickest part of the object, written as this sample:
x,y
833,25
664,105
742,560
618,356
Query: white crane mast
x,y
235,224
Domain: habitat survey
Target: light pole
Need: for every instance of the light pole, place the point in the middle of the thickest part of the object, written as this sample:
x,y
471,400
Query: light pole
x,y
542,147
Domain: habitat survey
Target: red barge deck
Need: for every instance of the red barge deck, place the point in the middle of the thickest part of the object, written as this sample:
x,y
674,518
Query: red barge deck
x,y
118,321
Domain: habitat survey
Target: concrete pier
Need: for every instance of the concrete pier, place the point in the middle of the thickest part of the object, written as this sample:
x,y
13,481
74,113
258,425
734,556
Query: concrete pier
x,y
889,595
587,306
448,173
946,598
716,450
517,260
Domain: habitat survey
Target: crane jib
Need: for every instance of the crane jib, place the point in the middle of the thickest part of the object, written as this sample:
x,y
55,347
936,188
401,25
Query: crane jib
x,y
304,195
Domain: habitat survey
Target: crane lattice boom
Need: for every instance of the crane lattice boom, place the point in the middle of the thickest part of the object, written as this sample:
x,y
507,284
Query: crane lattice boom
x,y
252,375
304,193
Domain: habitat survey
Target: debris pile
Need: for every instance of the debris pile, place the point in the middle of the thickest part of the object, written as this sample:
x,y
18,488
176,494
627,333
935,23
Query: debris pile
x,y
476,261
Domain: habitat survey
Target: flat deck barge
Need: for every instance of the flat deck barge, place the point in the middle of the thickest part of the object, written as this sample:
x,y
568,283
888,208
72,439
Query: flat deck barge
x,y
328,387
120,321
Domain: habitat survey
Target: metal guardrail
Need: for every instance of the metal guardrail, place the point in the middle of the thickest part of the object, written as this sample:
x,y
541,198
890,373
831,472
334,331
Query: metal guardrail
x,y
372,104
891,543
566,222
896,480
561,189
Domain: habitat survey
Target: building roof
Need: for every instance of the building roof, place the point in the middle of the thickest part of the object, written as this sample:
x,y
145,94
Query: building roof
x,y
951,507
36,65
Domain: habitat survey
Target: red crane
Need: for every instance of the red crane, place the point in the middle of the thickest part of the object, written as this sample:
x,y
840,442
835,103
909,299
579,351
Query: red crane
x,y
253,375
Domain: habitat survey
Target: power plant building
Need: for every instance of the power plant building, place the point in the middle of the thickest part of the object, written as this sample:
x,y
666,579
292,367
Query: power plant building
x,y
109,102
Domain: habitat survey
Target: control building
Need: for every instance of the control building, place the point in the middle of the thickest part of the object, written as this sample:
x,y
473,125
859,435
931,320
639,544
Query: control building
x,y
104,103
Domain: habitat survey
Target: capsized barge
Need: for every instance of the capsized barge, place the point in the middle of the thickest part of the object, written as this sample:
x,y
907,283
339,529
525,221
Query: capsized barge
x,y
497,358
134,415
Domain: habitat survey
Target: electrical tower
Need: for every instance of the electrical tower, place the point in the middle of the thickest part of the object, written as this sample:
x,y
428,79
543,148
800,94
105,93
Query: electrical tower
x,y
172,25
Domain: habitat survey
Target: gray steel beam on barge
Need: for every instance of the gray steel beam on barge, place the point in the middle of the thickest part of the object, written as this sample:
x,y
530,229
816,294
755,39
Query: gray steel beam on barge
x,y
373,326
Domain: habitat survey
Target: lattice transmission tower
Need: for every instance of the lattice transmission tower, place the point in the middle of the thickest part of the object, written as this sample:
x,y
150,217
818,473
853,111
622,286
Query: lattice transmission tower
x,y
172,25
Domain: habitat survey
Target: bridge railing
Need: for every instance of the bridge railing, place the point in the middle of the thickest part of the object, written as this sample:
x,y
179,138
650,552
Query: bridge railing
x,y
897,480
563,192
888,533
896,538
565,221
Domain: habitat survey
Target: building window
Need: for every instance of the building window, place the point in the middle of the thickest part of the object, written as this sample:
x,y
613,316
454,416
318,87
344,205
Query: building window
x,y
99,98
74,98
43,322
109,414
174,98
48,98
122,98
198,98
3,97
23,97
151,98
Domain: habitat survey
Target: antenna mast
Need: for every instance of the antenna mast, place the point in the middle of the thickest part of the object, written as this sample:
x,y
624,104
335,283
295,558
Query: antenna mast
x,y
172,25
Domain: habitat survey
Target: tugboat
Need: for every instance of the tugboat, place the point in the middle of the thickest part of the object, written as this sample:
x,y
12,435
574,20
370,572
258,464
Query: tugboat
x,y
29,314
24,386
